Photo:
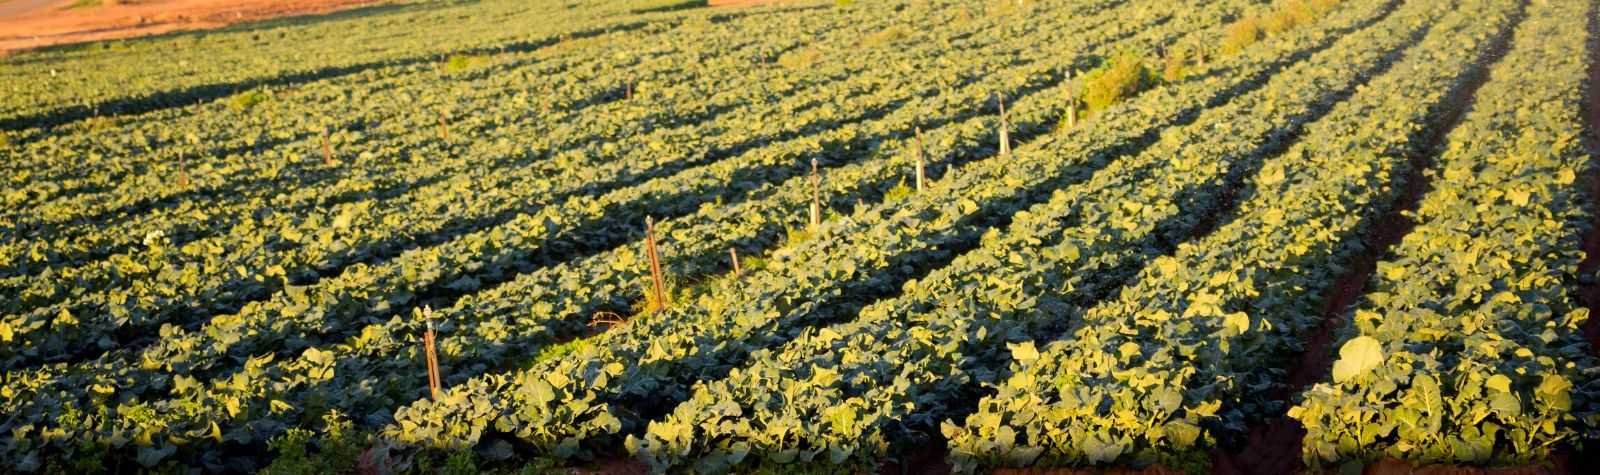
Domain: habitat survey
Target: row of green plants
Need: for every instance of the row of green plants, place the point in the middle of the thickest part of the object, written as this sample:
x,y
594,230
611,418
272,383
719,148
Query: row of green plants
x,y
856,392
585,401
106,78
1174,363
158,280
187,353
564,75
1468,347
396,132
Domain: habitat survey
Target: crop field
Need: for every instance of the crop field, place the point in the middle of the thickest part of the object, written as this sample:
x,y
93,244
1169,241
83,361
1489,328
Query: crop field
x,y
871,236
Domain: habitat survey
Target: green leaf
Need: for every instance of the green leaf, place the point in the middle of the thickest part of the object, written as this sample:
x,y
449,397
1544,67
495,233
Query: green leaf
x,y
1357,357
1100,450
542,392
1499,383
1023,352
1182,432
1238,321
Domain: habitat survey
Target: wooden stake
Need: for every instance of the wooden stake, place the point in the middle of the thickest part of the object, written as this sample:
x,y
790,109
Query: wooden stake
x,y
183,171
628,93
444,130
1072,109
660,286
1072,103
734,253
816,197
327,150
922,165
428,346
1005,134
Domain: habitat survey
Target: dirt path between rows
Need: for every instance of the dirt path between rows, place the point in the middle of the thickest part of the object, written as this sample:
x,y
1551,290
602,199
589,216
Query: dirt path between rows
x,y
29,24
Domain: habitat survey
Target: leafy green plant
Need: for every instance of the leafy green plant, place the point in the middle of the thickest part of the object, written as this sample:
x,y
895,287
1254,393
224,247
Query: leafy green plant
x,y
1122,76
1467,349
335,448
900,192
244,101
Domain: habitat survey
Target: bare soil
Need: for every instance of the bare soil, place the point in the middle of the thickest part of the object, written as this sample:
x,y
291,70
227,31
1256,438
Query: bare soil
x,y
29,24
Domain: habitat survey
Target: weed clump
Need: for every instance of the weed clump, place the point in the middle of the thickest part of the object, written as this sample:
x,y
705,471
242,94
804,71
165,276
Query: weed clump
x,y
247,100
1119,78
1286,15
334,449
1240,35
1176,65
899,192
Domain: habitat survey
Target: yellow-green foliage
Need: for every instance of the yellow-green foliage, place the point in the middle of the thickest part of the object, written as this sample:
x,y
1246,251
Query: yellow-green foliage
x,y
752,263
649,304
793,236
887,36
1241,34
1005,8
247,100
800,59
1119,78
100,123
459,63
558,350
899,192
1289,15
337,447
1286,15
1176,65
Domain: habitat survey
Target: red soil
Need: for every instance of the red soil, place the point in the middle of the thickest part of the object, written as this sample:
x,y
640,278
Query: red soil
x,y
30,24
